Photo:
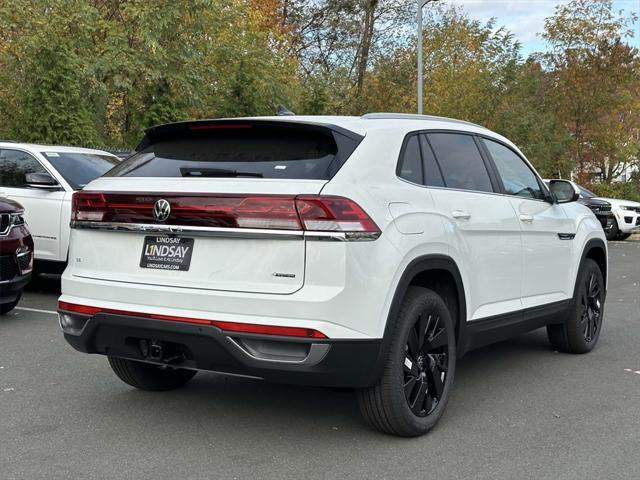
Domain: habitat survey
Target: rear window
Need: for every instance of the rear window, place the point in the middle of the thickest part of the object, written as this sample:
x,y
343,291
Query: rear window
x,y
243,151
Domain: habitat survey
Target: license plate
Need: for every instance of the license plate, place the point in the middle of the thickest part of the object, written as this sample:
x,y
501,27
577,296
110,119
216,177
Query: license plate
x,y
167,253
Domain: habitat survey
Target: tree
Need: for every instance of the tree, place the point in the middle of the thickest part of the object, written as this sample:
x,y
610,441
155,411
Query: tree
x,y
591,75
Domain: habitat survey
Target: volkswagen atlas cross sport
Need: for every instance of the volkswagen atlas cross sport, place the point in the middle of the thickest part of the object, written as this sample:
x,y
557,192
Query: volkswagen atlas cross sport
x,y
367,252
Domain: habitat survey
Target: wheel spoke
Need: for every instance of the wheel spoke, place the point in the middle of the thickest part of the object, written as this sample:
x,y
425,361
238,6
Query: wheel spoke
x,y
428,403
417,402
438,340
422,325
592,282
435,378
408,387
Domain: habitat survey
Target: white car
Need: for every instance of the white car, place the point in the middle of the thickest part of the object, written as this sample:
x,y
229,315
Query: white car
x,y
42,178
626,218
366,252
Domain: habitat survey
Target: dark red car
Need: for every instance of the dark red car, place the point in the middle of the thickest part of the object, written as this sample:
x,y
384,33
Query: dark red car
x,y
16,254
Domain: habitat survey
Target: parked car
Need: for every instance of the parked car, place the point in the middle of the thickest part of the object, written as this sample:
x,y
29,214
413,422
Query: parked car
x,y
16,254
366,252
626,218
42,178
600,208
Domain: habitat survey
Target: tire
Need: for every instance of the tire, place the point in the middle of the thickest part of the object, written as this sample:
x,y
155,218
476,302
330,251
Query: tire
x,y
7,307
581,330
613,232
623,236
409,370
147,376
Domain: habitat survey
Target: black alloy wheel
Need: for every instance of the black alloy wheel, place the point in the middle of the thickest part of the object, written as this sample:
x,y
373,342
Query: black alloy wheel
x,y
583,324
591,304
425,364
412,392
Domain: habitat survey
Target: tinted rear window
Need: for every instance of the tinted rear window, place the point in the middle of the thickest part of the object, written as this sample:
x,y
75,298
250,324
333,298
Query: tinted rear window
x,y
274,152
460,160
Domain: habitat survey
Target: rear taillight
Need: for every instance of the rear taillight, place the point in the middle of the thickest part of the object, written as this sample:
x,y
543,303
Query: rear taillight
x,y
324,213
333,214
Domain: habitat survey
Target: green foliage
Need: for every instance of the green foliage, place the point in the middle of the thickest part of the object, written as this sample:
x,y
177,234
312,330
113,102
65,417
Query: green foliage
x,y
100,72
621,190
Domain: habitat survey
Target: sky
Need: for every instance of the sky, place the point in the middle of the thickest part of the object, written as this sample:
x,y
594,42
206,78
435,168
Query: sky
x,y
525,18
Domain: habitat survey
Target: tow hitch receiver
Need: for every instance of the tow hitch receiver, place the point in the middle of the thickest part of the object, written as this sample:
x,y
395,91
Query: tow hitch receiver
x,y
157,351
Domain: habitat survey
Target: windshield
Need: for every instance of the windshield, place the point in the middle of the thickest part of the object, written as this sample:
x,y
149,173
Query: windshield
x,y
584,193
78,169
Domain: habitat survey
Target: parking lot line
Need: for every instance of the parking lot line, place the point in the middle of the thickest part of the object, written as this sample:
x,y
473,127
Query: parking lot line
x,y
26,309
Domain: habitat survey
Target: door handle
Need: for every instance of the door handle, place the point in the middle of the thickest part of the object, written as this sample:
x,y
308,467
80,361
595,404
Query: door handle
x,y
526,218
461,214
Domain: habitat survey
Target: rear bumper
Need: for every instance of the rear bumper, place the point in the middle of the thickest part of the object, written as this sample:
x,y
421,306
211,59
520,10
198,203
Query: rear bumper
x,y
338,363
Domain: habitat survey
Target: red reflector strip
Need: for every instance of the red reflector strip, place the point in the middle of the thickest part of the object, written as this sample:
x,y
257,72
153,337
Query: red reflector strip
x,y
226,326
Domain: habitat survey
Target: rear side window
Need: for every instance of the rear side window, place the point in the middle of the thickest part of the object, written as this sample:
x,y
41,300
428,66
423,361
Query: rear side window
x,y
78,169
460,161
244,150
14,164
410,166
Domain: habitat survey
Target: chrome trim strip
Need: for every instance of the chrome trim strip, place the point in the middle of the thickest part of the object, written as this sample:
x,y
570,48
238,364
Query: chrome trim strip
x,y
6,231
226,232
189,230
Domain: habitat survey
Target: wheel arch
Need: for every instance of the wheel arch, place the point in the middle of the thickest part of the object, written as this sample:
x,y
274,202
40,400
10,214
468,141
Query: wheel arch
x,y
596,250
441,274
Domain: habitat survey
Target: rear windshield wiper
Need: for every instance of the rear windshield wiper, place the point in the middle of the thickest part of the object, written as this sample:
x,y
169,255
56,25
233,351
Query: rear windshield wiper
x,y
216,172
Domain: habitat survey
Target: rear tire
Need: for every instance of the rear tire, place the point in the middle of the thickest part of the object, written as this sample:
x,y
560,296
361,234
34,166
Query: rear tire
x,y
147,376
581,330
412,392
613,232
7,307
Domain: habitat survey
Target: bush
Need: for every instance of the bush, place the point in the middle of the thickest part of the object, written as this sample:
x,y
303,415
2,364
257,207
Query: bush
x,y
620,190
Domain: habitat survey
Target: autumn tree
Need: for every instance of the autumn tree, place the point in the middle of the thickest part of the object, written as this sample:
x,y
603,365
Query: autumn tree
x,y
592,74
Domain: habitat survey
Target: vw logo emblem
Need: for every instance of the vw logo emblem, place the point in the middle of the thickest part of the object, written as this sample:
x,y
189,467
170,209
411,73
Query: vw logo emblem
x,y
161,210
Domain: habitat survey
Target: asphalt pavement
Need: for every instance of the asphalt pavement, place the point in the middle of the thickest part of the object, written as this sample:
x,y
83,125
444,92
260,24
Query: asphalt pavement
x,y
518,410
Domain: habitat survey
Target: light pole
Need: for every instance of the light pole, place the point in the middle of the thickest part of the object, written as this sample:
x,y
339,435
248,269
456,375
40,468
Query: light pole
x,y
421,5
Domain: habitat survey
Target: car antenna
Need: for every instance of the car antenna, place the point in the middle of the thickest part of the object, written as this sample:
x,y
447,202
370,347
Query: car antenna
x,y
284,111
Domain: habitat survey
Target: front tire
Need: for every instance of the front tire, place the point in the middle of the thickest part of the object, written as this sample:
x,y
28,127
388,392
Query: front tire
x,y
613,231
623,236
412,392
147,376
581,330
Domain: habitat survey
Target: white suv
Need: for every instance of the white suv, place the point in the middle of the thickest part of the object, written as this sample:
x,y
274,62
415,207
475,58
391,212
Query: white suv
x,y
366,252
627,218
42,179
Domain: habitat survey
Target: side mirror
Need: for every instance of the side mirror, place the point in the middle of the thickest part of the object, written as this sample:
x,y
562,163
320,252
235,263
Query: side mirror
x,y
41,180
563,191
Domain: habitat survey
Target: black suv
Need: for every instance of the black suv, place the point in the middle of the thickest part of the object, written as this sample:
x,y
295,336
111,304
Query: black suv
x,y
600,208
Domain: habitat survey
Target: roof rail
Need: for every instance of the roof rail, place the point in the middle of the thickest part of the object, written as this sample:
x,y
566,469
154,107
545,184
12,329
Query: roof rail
x,y
7,141
413,116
